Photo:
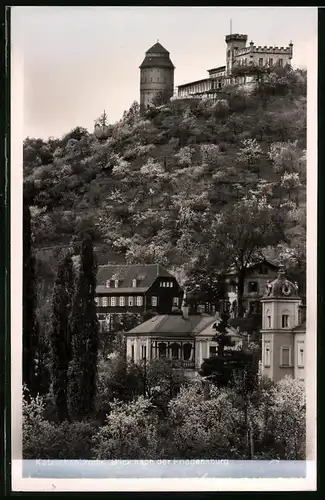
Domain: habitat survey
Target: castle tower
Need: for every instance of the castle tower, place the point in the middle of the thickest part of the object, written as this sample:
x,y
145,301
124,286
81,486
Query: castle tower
x,y
282,340
156,76
234,43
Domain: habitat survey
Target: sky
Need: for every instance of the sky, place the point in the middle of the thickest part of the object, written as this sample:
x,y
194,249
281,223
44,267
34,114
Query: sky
x,y
78,61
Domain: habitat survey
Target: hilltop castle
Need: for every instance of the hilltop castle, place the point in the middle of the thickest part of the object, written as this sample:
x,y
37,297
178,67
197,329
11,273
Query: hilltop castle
x,y
157,70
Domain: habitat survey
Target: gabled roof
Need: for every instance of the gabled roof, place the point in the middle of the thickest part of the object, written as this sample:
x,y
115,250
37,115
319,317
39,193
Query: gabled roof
x,y
173,325
232,270
146,274
157,48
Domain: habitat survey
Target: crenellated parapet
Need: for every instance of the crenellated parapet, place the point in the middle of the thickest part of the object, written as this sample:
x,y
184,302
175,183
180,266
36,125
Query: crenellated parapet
x,y
236,38
264,50
273,50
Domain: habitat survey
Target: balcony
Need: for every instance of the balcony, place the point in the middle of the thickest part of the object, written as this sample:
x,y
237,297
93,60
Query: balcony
x,y
186,365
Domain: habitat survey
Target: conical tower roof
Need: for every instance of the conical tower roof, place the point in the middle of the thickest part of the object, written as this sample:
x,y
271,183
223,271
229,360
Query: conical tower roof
x,y
157,57
157,48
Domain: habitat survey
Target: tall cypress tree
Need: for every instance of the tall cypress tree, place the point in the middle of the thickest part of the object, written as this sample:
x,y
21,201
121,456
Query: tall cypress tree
x,y
31,375
61,334
85,330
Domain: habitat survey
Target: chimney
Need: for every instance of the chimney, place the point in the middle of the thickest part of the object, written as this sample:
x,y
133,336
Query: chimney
x,y
185,307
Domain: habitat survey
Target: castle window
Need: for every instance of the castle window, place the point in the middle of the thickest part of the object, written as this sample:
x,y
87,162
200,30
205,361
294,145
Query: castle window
x,y
122,301
285,321
285,356
253,287
139,301
228,53
245,61
131,302
132,352
271,62
154,301
267,353
113,301
300,357
281,62
260,61
104,302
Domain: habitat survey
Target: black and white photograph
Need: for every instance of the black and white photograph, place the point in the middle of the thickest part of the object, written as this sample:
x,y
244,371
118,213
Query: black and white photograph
x,y
163,201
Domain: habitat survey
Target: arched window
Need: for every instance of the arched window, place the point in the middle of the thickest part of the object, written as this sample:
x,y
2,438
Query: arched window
x,y
187,350
175,350
162,350
268,318
285,317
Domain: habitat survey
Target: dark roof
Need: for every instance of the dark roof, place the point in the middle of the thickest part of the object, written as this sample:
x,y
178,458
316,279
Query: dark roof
x,y
281,287
215,69
112,291
173,324
157,62
194,83
300,328
160,60
146,274
158,49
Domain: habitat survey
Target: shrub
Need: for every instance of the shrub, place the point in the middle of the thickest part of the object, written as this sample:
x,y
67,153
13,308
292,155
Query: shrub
x,y
46,440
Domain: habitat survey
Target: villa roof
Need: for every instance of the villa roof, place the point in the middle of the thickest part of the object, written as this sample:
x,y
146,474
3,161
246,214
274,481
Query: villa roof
x,y
173,325
145,274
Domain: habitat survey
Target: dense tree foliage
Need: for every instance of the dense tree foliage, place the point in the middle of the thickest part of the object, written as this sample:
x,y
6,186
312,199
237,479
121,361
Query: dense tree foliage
x,y
61,334
84,336
194,427
173,186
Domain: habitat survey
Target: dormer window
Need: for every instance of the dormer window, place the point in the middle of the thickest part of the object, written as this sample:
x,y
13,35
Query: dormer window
x,y
134,283
116,283
108,283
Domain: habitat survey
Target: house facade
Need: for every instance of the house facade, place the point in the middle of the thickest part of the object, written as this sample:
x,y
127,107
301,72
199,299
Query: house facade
x,y
283,330
137,289
183,338
257,277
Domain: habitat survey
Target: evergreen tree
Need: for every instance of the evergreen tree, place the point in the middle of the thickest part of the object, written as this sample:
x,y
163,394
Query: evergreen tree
x,y
61,334
31,367
85,331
